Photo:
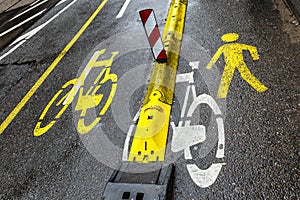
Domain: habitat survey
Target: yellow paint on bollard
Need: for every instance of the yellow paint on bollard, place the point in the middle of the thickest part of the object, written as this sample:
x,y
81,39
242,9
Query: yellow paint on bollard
x,y
150,138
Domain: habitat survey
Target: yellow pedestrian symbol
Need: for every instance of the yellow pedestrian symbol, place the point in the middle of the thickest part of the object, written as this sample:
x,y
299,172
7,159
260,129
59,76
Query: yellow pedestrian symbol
x,y
233,55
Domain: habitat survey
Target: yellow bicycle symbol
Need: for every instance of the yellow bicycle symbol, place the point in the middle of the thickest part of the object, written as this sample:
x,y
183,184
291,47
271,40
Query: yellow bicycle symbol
x,y
86,100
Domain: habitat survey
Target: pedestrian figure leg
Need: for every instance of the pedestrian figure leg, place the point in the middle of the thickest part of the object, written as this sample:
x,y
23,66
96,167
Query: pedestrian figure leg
x,y
225,81
251,79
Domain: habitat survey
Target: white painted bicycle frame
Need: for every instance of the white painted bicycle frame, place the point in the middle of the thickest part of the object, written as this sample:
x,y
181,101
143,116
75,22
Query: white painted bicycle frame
x,y
185,136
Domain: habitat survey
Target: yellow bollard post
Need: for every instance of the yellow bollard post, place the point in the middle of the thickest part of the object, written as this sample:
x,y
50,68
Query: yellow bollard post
x,y
150,138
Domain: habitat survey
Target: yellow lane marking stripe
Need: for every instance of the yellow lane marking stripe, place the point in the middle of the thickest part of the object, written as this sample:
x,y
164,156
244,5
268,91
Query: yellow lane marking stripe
x,y
29,94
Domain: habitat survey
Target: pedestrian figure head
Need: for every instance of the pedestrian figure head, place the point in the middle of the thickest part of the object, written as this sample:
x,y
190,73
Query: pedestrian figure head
x,y
230,37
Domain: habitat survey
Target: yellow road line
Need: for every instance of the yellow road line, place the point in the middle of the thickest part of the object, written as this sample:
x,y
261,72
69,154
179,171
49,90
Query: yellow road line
x,y
150,138
34,88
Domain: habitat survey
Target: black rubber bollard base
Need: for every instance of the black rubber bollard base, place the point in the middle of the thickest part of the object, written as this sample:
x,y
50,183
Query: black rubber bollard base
x,y
136,181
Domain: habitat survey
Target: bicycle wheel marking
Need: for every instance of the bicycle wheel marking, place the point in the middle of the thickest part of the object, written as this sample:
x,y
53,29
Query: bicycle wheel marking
x,y
40,81
186,134
41,129
88,98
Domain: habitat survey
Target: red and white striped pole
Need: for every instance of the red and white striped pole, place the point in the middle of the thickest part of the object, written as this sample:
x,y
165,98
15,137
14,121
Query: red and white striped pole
x,y
152,32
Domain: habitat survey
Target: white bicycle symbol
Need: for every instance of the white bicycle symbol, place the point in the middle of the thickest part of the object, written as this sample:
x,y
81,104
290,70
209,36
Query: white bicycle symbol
x,y
186,135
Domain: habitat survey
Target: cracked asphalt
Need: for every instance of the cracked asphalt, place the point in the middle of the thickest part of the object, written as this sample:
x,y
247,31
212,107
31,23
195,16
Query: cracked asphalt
x,y
261,129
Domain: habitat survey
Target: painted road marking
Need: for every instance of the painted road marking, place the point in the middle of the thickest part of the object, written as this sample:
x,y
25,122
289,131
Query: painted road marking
x,y
233,54
196,135
128,136
204,178
12,49
26,11
34,3
121,12
187,136
19,41
61,2
86,99
23,22
29,94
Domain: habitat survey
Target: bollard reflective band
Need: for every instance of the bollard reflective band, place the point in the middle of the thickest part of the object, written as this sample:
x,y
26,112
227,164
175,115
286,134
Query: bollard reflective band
x,y
150,138
152,32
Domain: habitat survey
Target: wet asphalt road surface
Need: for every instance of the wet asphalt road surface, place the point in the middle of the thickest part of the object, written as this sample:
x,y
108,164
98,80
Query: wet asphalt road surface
x,y
24,16
261,129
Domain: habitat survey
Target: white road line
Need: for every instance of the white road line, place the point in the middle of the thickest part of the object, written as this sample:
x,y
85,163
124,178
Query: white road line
x,y
127,140
12,49
123,9
34,3
126,144
19,41
20,24
62,1
22,13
